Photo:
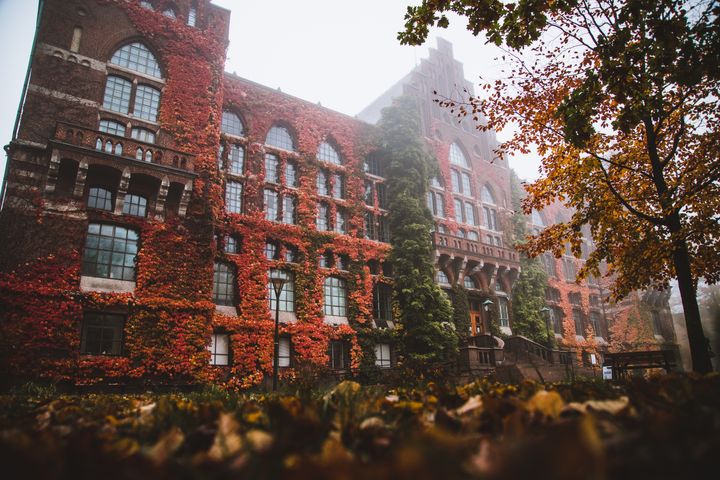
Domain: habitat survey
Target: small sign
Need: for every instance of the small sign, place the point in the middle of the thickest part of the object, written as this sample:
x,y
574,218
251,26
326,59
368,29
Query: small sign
x,y
593,359
607,373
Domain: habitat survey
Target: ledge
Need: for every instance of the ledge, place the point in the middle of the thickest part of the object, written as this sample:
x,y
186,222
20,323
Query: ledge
x,y
226,310
96,284
333,320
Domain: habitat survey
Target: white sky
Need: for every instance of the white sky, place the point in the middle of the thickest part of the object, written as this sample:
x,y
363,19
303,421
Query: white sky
x,y
343,54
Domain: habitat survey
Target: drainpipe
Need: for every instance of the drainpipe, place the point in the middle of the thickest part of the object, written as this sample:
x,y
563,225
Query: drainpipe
x,y
16,127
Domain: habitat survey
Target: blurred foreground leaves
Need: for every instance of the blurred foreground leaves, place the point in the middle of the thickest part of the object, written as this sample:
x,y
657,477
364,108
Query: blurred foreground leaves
x,y
665,427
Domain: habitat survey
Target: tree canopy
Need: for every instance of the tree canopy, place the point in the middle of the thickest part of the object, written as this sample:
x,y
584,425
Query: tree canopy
x,y
620,98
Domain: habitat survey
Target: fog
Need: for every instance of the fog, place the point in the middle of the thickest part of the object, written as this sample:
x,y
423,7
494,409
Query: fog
x,y
341,54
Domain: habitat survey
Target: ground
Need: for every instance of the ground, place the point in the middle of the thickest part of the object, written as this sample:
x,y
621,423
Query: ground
x,y
663,427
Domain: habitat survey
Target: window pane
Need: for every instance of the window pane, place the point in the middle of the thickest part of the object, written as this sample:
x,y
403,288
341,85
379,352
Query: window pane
x,y
322,217
291,179
321,183
335,297
112,127
112,246
327,153
223,284
457,157
143,134
219,349
287,294
117,94
233,197
147,101
100,198
272,175
102,334
270,197
137,57
231,124
135,205
288,214
279,137
338,186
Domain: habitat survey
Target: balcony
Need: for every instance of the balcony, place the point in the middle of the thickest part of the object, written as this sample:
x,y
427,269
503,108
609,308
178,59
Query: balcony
x,y
132,151
472,248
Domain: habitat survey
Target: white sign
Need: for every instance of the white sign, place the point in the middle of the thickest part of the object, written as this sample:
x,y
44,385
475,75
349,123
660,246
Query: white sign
x,y
607,373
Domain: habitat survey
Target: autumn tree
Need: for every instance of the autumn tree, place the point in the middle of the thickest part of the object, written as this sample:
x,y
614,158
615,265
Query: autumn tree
x,y
426,315
620,98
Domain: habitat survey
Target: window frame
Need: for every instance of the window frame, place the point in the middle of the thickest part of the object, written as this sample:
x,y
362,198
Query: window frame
x,y
117,345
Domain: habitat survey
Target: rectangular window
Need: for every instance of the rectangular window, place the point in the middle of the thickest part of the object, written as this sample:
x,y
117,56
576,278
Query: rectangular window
x,y
569,268
382,355
455,180
335,297
236,159
272,175
102,334
577,319
322,218
466,190
287,294
288,213
595,320
369,197
219,349
112,127
459,211
370,228
147,102
470,213
557,316
135,205
100,198
110,252
338,186
382,302
503,312
143,135
382,195
272,209
338,355
321,182
291,177
340,220
284,352
233,197
656,323
383,230
117,94
223,285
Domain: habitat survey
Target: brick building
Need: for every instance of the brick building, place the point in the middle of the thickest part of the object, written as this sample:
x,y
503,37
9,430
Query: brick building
x,y
150,197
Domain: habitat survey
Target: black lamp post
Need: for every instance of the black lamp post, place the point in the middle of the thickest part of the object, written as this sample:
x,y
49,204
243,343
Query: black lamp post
x,y
278,283
545,312
486,306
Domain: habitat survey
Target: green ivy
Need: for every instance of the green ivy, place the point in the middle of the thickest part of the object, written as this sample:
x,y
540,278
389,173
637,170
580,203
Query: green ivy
x,y
427,330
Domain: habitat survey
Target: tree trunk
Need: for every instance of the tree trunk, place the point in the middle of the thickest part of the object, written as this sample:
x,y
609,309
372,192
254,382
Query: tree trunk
x,y
696,338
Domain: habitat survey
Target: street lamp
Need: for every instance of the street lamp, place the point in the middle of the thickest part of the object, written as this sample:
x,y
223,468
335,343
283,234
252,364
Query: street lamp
x,y
545,312
486,306
278,283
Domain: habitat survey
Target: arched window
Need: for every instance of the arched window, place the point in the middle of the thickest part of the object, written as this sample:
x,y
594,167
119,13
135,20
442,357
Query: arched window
x,y
469,282
442,278
487,196
143,135
136,57
287,294
457,156
335,297
169,12
119,89
279,137
223,284
232,125
112,127
146,4
327,153
110,252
